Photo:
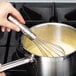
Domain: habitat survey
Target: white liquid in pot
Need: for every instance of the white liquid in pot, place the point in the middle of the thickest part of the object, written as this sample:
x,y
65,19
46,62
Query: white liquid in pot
x,y
35,50
63,36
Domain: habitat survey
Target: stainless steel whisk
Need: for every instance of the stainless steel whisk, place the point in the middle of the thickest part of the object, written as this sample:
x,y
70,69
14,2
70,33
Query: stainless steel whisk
x,y
46,48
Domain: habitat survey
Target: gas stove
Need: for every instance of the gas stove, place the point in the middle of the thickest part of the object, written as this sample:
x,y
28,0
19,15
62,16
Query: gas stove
x,y
33,13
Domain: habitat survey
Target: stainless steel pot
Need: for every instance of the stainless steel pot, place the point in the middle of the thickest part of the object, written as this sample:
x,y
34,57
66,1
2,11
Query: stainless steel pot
x,y
50,66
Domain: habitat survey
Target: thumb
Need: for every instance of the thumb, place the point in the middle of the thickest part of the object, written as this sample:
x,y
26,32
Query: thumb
x,y
0,65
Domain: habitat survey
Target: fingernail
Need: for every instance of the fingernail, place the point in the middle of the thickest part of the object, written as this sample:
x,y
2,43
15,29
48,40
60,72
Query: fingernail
x,y
3,30
17,29
24,22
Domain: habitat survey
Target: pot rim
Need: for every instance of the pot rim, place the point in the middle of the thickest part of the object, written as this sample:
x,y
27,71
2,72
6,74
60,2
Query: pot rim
x,y
53,23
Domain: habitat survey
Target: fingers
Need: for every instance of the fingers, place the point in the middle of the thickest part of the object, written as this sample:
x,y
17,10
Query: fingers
x,y
17,15
5,28
9,26
2,28
8,29
12,26
2,73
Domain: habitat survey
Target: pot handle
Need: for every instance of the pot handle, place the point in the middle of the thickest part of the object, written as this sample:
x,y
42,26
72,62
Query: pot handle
x,y
15,63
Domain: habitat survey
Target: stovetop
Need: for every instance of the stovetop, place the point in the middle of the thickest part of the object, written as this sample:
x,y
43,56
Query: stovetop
x,y
33,13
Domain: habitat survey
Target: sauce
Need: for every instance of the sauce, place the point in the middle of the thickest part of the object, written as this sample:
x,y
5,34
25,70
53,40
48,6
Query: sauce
x,y
33,48
61,35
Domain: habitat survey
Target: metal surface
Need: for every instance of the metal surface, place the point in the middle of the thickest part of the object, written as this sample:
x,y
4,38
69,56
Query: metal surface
x,y
15,64
57,33
56,1
54,66
30,1
49,66
23,28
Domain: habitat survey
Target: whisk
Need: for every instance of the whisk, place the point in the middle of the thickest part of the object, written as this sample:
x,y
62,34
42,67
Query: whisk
x,y
46,48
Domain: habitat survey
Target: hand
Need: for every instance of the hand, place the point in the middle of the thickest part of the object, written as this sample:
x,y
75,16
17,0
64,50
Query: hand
x,y
5,9
2,73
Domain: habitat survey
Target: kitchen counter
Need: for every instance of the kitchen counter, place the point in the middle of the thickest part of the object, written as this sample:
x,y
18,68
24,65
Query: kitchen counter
x,y
48,1
43,1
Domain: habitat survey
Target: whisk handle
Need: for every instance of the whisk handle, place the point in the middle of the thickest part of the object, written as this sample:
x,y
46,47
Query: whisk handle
x,y
26,31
